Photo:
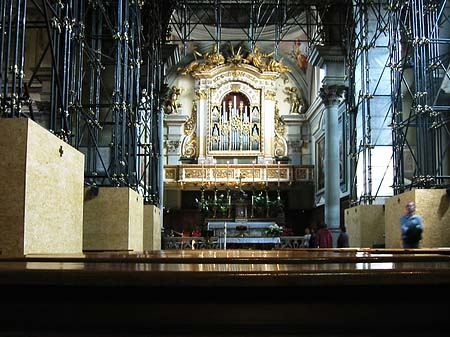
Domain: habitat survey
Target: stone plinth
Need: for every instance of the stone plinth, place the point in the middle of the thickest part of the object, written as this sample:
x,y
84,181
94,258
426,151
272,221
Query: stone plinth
x,y
152,228
41,191
365,225
113,219
433,205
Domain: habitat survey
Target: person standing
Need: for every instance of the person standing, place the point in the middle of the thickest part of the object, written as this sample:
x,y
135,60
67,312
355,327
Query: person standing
x,y
342,241
324,239
411,227
312,238
306,238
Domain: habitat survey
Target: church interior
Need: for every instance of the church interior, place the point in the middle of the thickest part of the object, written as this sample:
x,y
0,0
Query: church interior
x,y
164,163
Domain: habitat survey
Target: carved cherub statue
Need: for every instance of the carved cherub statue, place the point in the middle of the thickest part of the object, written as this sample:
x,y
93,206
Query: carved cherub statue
x,y
294,100
172,105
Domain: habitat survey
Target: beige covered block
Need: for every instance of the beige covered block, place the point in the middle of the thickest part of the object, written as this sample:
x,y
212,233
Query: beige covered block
x,y
113,219
432,205
41,191
152,228
365,225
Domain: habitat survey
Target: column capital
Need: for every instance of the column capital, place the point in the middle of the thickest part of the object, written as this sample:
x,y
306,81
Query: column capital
x,y
332,94
332,60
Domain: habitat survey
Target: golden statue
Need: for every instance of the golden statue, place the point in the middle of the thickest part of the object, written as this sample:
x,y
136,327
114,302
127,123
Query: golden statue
x,y
257,58
277,66
190,68
206,61
210,60
237,58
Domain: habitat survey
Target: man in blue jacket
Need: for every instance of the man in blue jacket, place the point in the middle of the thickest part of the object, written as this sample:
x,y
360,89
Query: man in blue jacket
x,y
411,226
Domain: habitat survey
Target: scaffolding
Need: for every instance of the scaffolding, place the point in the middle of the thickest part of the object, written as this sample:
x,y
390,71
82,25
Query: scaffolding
x,y
105,81
411,35
104,65
13,91
419,53
369,105
258,21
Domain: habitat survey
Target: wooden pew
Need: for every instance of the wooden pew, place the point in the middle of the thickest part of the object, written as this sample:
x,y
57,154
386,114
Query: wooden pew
x,y
228,293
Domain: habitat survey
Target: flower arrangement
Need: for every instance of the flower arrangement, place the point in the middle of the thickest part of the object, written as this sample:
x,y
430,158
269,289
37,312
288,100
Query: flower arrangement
x,y
274,230
203,204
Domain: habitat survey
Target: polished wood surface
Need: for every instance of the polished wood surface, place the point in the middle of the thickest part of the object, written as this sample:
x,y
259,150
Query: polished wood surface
x,y
233,268
361,292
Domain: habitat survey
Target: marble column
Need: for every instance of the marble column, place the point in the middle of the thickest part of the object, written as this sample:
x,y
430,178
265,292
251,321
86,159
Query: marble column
x,y
332,96
331,59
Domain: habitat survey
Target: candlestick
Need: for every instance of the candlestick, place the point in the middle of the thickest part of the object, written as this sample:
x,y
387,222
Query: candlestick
x,y
215,202
225,236
229,202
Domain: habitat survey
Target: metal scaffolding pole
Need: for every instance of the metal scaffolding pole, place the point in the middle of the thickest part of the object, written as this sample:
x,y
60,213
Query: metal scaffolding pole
x,y
12,49
369,107
419,62
257,20
100,100
107,133
149,136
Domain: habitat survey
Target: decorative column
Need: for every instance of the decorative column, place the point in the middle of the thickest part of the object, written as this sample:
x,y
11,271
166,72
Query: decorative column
x,y
331,59
332,97
269,124
202,123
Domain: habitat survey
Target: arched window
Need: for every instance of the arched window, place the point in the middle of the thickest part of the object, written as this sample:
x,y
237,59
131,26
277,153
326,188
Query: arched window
x,y
235,125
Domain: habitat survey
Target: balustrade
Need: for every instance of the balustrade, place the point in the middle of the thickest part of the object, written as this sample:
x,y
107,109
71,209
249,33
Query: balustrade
x,y
217,242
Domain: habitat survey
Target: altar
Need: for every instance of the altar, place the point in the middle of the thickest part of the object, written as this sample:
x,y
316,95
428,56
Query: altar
x,y
247,240
239,234
240,228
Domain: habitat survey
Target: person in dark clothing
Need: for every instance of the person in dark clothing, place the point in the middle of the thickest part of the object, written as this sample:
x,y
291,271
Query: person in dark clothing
x,y
411,226
342,240
324,239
